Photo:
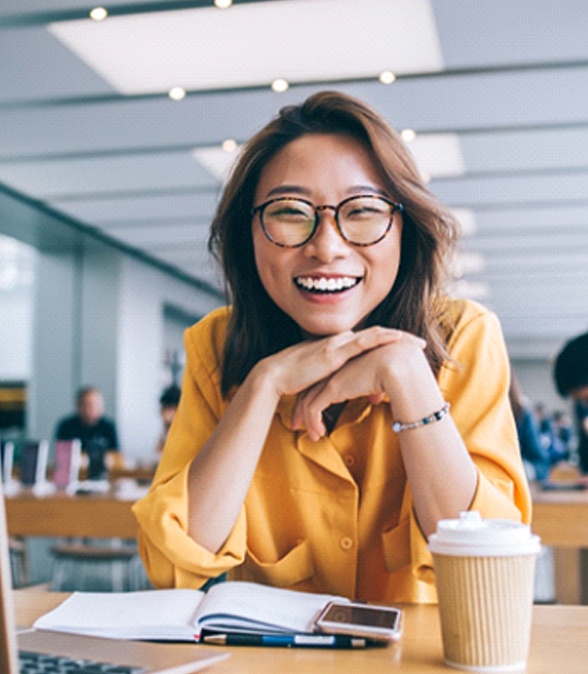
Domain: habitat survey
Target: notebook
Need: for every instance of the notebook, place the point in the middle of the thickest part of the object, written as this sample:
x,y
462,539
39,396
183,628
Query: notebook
x,y
150,658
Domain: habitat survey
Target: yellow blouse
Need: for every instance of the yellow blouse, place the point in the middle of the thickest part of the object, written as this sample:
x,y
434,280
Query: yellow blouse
x,y
335,515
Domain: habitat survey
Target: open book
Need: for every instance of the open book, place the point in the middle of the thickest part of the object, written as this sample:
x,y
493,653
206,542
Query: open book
x,y
182,615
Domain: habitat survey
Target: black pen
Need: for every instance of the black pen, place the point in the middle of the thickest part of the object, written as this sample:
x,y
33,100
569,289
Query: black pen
x,y
287,640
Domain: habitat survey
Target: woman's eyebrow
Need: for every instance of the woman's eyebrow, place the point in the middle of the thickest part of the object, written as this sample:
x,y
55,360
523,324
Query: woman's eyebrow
x,y
366,189
288,189
299,189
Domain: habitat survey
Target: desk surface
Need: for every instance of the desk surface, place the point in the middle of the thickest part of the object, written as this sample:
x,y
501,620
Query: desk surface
x,y
559,643
92,516
560,517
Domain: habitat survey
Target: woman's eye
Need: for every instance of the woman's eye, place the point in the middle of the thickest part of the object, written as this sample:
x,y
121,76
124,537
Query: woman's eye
x,y
290,213
362,212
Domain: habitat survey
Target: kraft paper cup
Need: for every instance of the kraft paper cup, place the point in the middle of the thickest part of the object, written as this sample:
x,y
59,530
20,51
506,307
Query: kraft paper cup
x,y
485,572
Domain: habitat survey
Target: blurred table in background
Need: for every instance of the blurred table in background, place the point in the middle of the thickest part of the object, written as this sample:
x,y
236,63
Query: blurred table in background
x,y
74,516
560,518
142,474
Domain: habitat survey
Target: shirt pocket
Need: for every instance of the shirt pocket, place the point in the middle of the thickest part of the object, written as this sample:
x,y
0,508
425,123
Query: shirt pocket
x,y
294,567
396,544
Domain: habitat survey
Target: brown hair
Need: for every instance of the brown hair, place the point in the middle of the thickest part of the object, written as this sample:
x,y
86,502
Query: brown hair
x,y
257,327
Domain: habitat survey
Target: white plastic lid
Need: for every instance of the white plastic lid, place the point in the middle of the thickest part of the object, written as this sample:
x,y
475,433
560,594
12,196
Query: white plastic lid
x,y
470,535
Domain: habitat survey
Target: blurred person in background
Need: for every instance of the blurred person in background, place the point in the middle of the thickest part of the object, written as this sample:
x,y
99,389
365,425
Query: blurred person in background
x,y
168,406
548,434
535,454
96,432
570,373
564,431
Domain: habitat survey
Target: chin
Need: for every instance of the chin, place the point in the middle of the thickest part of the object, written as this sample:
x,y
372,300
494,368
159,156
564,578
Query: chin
x,y
318,329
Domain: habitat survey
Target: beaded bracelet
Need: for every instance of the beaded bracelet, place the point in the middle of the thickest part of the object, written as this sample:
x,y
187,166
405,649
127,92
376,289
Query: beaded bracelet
x,y
399,426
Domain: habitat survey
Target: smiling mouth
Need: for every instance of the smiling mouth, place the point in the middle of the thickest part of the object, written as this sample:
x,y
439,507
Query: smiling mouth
x,y
326,285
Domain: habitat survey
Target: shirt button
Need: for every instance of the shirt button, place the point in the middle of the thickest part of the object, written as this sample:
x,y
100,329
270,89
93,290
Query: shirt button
x,y
349,460
346,543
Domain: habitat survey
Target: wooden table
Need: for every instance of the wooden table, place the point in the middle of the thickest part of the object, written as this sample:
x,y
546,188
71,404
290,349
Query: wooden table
x,y
61,515
559,643
560,518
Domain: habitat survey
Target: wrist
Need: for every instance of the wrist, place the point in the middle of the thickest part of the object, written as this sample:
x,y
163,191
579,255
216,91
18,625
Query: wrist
x,y
262,380
434,417
412,390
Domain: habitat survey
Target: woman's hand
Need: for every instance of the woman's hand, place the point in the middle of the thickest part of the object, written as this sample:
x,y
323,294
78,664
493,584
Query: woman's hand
x,y
375,373
303,365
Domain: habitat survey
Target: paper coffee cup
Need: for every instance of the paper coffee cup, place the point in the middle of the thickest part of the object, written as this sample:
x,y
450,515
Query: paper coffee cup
x,y
485,571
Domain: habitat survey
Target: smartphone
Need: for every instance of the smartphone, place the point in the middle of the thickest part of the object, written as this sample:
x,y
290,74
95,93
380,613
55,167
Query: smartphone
x,y
380,623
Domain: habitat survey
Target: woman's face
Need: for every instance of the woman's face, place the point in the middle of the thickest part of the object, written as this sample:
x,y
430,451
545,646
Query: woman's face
x,y
325,169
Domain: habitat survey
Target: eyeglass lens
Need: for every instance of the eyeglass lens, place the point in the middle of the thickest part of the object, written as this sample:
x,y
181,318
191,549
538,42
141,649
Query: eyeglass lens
x,y
361,220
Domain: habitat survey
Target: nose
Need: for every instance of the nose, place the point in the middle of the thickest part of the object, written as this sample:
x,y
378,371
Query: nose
x,y
327,243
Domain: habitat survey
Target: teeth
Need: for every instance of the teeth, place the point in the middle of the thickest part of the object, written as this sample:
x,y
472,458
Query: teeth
x,y
327,284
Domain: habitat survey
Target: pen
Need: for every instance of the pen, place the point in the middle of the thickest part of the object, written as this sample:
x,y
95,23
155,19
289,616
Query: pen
x,y
288,640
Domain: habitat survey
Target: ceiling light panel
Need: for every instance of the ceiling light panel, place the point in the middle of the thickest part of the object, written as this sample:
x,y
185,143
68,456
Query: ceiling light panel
x,y
255,43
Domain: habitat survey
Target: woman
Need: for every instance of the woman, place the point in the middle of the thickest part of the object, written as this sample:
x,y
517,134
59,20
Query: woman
x,y
282,465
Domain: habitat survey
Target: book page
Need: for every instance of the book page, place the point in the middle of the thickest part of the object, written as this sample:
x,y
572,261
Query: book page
x,y
180,615
150,614
251,607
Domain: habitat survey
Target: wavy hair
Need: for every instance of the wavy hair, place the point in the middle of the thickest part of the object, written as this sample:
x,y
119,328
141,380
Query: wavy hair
x,y
257,327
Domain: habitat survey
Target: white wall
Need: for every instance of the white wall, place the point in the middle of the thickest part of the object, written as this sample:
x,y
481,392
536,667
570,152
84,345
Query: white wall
x,y
142,296
16,331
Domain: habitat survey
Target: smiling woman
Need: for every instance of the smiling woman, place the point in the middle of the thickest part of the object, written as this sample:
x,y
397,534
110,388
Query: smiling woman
x,y
344,403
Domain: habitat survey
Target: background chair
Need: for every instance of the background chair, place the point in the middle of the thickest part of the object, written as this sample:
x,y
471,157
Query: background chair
x,y
111,566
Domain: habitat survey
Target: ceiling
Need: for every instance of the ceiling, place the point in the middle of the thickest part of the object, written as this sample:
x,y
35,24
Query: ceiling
x,y
496,91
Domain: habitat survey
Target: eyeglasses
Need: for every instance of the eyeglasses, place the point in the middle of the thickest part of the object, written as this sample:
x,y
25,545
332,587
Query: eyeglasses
x,y
361,220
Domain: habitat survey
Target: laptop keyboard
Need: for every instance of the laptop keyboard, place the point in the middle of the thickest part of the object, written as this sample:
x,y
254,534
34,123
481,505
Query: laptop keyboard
x,y
39,663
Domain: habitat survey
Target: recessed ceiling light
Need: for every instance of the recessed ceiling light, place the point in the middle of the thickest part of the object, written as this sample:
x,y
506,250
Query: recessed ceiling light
x,y
280,85
408,135
98,14
387,77
223,4
177,93
229,145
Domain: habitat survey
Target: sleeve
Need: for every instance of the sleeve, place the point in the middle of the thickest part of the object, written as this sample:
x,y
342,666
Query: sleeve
x,y
476,382
171,557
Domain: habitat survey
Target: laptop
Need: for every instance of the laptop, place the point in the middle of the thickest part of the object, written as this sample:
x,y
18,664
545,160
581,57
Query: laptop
x,y
126,656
